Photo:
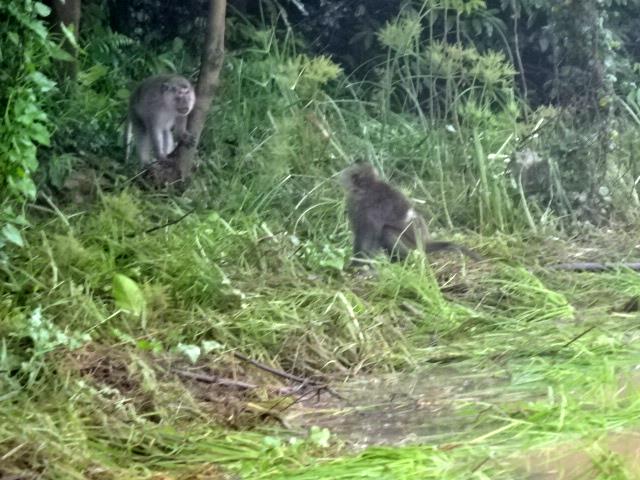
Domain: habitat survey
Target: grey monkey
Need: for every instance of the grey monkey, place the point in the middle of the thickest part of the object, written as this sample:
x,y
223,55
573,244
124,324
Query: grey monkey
x,y
159,104
382,218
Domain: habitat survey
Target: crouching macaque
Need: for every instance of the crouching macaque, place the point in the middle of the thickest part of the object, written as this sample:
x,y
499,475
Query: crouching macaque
x,y
382,218
158,105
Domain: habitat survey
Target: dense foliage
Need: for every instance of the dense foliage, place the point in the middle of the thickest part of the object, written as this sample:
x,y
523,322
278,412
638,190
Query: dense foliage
x,y
25,52
472,67
512,124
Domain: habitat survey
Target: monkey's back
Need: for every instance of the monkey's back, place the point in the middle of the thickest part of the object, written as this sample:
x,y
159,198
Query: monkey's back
x,y
381,203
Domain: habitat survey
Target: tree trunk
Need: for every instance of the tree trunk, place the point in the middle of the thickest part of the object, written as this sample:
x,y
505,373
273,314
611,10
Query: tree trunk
x,y
181,164
67,13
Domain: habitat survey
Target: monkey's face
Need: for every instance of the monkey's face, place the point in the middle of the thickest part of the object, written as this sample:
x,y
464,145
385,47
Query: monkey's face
x,y
184,100
181,97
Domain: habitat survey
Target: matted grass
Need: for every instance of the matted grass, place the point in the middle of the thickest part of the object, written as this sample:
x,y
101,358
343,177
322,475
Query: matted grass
x,y
89,390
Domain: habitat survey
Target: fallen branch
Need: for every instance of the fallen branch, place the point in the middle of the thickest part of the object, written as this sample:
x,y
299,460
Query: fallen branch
x,y
448,359
553,351
172,222
158,227
318,386
594,266
140,173
227,382
275,371
578,336
479,465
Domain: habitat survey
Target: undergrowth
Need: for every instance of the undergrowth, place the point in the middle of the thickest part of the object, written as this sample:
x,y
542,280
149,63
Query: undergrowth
x,y
115,296
96,373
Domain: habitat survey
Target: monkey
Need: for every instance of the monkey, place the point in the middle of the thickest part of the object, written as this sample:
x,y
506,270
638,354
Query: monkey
x,y
382,218
159,104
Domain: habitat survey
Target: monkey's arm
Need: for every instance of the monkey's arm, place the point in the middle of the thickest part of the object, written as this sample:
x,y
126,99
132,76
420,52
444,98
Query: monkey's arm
x,y
182,135
366,238
157,142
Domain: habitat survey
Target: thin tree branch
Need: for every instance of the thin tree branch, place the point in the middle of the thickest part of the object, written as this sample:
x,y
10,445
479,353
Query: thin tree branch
x,y
172,222
516,45
227,382
275,371
578,336
303,381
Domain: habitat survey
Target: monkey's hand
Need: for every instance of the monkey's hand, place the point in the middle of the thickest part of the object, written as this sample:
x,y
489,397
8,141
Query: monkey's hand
x,y
187,140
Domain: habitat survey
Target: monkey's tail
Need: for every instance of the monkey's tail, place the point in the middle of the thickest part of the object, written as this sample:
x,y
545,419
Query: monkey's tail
x,y
128,136
431,247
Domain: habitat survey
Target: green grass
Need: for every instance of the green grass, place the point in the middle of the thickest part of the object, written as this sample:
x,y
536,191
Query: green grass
x,y
74,407
97,317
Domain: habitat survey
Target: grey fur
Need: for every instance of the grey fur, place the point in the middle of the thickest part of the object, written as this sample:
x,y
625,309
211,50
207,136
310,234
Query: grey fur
x,y
158,105
382,218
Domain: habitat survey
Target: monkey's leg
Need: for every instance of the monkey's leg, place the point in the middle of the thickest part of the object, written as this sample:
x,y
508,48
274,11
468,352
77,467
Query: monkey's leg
x,y
180,133
167,141
143,147
366,241
157,140
128,138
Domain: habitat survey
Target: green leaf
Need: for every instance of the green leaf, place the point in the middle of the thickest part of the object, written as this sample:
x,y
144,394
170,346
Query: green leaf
x,y
14,38
210,345
271,442
334,263
69,34
122,336
92,74
19,219
127,294
192,352
150,345
41,9
42,81
12,234
22,185
319,436
122,94
58,53
40,134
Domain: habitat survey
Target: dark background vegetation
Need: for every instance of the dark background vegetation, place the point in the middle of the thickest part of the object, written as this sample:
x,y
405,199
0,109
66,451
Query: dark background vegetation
x,y
572,63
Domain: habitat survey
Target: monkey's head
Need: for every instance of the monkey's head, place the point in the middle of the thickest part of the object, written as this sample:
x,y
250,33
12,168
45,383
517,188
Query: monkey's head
x,y
179,93
358,176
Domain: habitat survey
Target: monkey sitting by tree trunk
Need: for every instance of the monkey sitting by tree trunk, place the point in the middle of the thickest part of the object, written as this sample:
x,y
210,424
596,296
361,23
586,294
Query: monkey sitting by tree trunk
x,y
382,218
158,105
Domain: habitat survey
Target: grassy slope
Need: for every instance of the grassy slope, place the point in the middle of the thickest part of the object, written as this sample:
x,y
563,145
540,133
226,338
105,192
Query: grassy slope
x,y
110,408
